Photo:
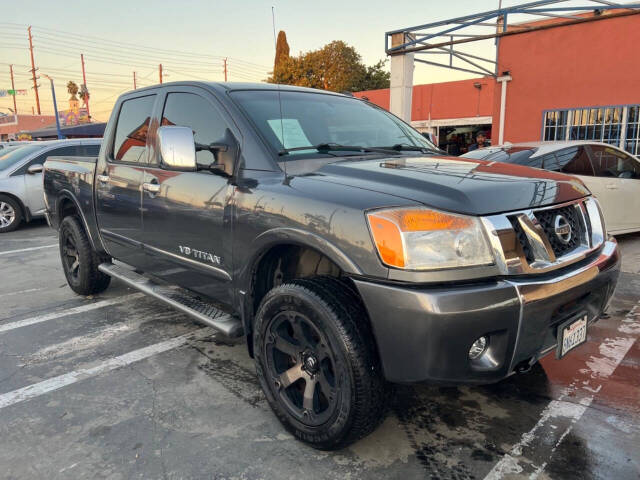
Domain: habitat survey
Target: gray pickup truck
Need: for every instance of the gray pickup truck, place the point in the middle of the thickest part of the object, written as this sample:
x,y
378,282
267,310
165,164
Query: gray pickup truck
x,y
340,242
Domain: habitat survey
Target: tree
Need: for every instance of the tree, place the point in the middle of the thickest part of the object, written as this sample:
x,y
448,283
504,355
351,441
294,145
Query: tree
x,y
72,88
282,52
336,66
374,77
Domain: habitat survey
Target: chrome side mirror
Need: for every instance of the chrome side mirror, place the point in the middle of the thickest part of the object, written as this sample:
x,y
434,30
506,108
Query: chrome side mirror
x,y
35,168
177,148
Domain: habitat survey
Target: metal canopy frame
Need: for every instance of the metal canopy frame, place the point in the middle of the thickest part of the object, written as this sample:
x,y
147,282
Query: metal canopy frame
x,y
446,38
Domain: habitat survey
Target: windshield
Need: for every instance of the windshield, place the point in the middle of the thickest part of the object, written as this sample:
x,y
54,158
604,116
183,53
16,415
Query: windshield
x,y
14,156
293,120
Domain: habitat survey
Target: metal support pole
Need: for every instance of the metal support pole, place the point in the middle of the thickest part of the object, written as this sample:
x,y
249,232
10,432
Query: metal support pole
x,y
503,105
13,87
55,107
225,69
401,80
134,80
84,79
160,72
33,70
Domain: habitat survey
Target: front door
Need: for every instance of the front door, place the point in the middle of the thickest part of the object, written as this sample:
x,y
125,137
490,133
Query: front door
x,y
616,185
119,182
186,219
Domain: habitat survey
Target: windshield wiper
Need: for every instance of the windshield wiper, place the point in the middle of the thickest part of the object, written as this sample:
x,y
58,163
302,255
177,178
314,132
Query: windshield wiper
x,y
334,147
403,147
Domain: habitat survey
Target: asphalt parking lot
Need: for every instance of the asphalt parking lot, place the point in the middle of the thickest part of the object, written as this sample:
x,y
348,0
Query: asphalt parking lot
x,y
118,386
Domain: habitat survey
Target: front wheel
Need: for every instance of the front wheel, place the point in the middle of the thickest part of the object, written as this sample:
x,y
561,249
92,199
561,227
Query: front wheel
x,y
79,261
317,364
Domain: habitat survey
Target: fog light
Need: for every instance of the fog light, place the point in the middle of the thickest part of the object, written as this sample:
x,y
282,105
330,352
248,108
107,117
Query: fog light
x,y
478,348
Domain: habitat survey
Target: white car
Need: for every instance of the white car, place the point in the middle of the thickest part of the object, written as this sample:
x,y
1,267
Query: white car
x,y
611,174
21,191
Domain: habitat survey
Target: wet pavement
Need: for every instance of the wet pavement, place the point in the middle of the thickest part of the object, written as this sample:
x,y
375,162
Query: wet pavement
x,y
119,386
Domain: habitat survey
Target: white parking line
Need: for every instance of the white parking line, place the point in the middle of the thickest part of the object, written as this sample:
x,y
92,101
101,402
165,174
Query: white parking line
x,y
8,252
28,290
71,311
56,383
559,416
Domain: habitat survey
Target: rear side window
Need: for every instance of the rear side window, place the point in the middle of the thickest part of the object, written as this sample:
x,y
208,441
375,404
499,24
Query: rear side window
x,y
67,151
573,161
87,150
131,130
193,111
609,162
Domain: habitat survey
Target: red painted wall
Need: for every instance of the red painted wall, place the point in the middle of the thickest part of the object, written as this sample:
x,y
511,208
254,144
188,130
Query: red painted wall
x,y
444,100
584,65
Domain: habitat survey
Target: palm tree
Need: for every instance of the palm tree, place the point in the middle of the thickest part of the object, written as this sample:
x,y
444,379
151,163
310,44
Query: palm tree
x,y
72,88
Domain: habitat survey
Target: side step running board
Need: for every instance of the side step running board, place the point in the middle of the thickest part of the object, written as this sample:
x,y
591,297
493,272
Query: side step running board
x,y
177,298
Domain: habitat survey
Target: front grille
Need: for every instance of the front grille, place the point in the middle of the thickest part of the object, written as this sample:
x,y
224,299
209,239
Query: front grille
x,y
547,220
522,239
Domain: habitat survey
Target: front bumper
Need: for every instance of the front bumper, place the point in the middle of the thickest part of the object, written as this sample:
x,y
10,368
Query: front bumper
x,y
424,333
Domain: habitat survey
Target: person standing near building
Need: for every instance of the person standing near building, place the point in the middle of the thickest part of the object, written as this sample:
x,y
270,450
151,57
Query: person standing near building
x,y
481,141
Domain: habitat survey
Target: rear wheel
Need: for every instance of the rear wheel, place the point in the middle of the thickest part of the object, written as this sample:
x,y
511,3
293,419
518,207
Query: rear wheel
x,y
10,214
317,364
79,261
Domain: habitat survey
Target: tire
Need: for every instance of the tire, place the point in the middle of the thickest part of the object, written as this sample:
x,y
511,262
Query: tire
x,y
312,339
10,214
79,261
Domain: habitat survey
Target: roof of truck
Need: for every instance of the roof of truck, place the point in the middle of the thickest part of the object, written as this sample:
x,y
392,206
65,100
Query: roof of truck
x,y
230,86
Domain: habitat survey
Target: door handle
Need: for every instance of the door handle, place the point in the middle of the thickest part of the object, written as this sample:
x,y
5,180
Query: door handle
x,y
103,178
151,187
612,186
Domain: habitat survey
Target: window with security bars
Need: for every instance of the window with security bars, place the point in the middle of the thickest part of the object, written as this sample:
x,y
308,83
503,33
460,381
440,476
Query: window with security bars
x,y
600,124
632,142
555,125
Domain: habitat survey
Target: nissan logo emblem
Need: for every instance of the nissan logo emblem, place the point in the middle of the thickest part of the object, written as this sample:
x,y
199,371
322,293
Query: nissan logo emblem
x,y
562,228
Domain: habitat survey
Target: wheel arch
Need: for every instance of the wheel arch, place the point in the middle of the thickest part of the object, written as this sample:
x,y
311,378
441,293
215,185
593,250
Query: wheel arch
x,y
23,209
67,204
297,248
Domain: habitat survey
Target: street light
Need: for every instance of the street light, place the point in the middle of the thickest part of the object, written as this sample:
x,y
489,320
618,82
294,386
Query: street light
x,y
55,106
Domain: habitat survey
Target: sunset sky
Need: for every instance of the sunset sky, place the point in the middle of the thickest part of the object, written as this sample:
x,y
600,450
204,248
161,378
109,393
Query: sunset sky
x,y
191,38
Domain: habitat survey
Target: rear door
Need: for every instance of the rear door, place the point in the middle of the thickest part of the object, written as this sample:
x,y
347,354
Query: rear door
x,y
187,227
617,185
119,181
33,189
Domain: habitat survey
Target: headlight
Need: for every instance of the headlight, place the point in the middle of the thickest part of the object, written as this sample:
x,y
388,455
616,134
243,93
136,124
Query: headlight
x,y
425,239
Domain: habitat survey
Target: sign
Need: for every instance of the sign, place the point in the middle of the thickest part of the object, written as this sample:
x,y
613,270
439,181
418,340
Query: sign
x,y
73,116
8,120
4,92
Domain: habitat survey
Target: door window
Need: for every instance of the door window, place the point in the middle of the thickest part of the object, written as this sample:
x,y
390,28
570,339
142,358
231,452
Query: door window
x,y
130,141
193,111
609,162
40,159
573,161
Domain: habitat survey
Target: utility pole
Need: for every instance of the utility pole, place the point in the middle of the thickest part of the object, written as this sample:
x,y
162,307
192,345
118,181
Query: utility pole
x,y
33,70
13,87
134,80
160,72
84,79
225,69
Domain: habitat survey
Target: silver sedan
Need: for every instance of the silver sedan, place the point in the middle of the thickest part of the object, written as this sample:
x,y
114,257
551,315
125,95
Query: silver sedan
x,y
21,192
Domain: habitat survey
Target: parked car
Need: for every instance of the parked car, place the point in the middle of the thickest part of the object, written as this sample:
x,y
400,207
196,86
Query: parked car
x,y
610,173
350,252
21,194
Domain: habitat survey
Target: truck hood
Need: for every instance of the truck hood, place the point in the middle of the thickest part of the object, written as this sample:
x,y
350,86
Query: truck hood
x,y
462,185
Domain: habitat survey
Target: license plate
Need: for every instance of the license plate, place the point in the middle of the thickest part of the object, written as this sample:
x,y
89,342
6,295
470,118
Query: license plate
x,y
571,334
